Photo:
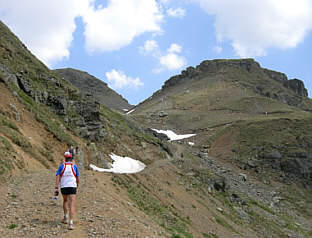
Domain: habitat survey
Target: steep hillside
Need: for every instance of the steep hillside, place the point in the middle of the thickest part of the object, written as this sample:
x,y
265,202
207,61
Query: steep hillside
x,y
89,84
183,192
251,119
243,104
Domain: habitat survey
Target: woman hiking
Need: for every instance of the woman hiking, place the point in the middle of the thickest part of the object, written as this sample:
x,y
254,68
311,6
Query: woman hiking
x,y
67,176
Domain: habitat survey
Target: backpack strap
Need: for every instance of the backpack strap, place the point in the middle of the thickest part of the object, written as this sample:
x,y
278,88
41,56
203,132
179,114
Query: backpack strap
x,y
63,170
72,168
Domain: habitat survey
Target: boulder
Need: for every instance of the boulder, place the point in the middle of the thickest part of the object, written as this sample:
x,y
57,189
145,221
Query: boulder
x,y
162,114
274,154
160,136
301,168
219,183
242,177
15,112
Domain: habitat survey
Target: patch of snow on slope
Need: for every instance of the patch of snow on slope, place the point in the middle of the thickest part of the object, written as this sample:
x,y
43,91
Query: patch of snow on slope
x,y
130,111
173,136
122,165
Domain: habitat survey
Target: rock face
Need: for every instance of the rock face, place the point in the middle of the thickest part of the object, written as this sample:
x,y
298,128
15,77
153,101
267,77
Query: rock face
x,y
297,86
88,84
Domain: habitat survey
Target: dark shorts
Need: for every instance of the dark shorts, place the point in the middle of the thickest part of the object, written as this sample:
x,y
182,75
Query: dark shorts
x,y
68,190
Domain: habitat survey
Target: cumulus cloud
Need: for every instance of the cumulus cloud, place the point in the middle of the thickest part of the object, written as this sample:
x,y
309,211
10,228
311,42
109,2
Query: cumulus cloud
x,y
115,26
47,27
177,12
174,48
149,46
118,80
255,26
170,60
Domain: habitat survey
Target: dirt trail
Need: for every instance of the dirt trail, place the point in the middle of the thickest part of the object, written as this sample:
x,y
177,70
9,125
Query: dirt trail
x,y
101,209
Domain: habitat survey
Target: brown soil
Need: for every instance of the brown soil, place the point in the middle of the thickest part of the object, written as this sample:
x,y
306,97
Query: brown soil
x,y
103,209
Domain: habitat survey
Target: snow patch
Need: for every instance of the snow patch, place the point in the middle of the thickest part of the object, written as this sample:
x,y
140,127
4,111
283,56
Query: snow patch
x,y
122,165
130,111
191,143
173,136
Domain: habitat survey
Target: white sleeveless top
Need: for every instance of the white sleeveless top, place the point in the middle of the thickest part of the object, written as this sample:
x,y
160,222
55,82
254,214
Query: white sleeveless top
x,y
68,176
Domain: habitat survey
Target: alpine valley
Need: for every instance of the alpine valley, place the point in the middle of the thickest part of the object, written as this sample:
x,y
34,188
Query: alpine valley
x,y
245,172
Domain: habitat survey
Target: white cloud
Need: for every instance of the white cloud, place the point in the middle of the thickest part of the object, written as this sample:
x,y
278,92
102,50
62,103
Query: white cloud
x,y
47,27
172,60
255,26
149,46
119,80
178,12
115,26
174,48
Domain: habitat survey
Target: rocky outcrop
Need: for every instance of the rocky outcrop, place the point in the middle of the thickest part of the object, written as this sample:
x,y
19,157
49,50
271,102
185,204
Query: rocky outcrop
x,y
297,86
293,167
212,67
277,76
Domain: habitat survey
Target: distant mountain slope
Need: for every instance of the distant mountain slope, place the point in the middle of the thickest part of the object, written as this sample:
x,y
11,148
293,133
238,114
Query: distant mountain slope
x,y
89,84
228,89
244,75
241,112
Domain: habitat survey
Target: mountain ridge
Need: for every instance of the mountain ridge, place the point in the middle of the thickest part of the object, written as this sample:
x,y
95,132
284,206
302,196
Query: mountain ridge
x,y
91,85
211,67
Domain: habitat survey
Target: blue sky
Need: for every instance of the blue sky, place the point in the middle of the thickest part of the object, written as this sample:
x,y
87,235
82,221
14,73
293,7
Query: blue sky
x,y
136,45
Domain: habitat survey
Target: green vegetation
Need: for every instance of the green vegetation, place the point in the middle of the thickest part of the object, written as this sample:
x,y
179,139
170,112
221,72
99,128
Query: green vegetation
x,y
288,135
210,235
276,223
45,116
6,152
8,123
163,214
12,226
10,130
15,137
119,124
224,223
36,154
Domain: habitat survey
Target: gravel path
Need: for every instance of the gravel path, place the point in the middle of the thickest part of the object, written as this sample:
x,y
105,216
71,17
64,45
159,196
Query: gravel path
x,y
26,209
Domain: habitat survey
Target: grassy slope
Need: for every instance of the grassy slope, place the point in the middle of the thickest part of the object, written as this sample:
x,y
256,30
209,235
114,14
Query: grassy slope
x,y
235,122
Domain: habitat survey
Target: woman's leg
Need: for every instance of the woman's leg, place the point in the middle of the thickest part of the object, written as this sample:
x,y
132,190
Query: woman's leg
x,y
72,198
65,204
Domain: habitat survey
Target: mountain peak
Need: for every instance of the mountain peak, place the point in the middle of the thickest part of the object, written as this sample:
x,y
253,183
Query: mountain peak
x,y
89,84
247,70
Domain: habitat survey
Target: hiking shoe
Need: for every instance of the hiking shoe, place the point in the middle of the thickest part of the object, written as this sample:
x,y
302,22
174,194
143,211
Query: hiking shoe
x,y
71,227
